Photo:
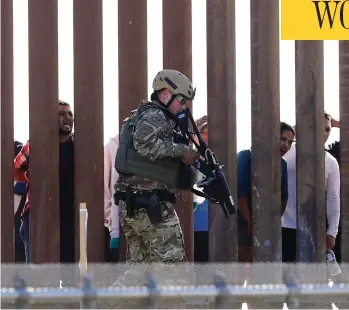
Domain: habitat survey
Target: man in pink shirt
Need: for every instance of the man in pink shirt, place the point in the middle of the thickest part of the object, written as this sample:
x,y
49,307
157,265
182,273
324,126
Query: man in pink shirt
x,y
111,211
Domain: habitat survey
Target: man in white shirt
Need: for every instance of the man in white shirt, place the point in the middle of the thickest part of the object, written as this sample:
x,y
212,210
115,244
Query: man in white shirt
x,y
332,187
334,150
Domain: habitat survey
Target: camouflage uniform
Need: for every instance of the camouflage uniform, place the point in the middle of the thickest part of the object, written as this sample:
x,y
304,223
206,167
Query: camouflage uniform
x,y
164,242
153,137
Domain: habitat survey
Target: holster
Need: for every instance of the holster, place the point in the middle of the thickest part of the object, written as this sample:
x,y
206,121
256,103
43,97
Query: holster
x,y
151,201
153,209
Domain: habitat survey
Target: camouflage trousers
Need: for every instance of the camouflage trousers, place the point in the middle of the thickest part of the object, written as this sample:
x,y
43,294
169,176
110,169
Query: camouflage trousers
x,y
156,250
161,245
153,243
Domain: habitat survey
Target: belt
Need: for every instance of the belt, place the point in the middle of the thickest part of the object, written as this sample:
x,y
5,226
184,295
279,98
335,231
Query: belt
x,y
163,195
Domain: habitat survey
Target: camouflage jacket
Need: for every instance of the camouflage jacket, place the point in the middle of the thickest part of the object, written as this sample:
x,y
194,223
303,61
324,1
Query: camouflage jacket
x,y
153,137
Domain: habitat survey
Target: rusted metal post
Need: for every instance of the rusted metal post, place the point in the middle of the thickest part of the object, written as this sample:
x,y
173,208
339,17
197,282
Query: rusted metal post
x,y
133,65
133,60
7,153
265,104
88,106
310,158
221,106
344,145
177,54
43,131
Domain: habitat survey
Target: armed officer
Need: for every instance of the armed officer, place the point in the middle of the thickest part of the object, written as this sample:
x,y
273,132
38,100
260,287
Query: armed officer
x,y
153,164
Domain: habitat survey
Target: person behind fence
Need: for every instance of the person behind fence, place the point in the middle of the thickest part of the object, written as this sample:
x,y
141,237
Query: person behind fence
x,y
244,219
111,211
66,185
200,206
20,189
152,164
332,189
334,150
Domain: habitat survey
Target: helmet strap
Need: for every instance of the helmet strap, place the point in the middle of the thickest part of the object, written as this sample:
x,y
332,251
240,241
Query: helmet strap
x,y
171,100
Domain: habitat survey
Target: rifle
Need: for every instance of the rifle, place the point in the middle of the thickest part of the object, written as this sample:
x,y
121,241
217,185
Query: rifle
x,y
214,185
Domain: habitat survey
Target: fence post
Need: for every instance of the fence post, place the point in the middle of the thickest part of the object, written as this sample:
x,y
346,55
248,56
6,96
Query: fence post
x,y
7,138
310,158
83,220
177,54
265,106
43,131
221,107
344,145
133,66
88,106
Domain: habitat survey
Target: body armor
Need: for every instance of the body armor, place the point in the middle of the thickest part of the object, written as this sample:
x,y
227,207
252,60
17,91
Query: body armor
x,y
170,171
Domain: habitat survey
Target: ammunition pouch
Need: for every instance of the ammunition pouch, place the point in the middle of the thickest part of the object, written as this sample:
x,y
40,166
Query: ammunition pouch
x,y
151,201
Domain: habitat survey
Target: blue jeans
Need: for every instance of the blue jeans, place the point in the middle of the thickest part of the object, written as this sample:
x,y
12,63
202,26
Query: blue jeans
x,y
24,233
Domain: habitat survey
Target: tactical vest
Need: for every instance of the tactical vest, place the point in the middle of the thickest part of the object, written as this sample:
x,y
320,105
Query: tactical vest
x,y
170,171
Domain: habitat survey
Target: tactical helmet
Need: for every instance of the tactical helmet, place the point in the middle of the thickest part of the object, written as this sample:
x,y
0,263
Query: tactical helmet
x,y
176,82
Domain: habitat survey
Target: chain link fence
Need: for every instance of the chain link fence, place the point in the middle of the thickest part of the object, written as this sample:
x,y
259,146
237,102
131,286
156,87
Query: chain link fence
x,y
190,286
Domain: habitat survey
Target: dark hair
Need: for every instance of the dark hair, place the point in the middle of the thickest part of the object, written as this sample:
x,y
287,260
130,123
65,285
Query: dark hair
x,y
327,116
61,102
286,127
154,96
17,147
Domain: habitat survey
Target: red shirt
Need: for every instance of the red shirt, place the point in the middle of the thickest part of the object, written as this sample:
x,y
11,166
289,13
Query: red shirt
x,y
22,162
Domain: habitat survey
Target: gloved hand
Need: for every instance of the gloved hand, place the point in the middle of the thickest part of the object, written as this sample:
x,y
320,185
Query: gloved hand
x,y
114,243
189,156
